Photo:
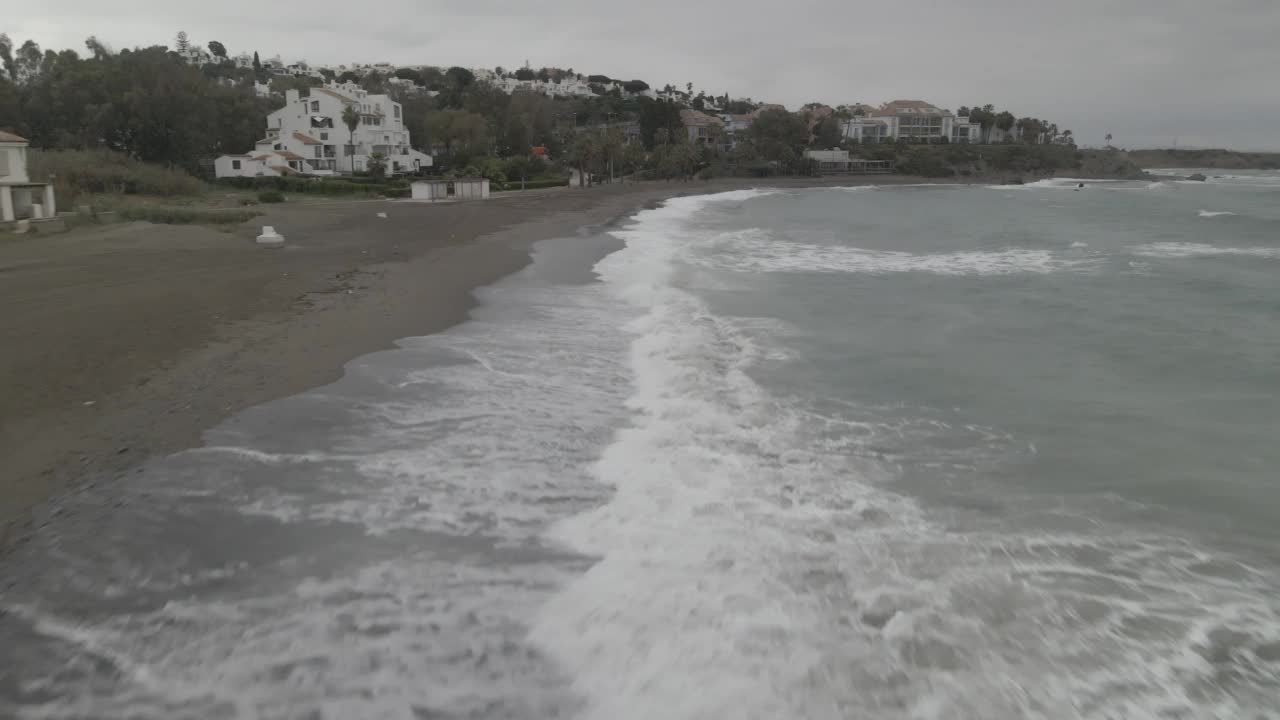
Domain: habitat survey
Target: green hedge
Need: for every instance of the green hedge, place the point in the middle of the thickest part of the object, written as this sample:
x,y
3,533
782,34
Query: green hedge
x,y
534,184
397,192
312,186
186,216
271,196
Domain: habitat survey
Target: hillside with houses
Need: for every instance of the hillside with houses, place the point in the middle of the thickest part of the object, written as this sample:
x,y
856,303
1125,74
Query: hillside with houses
x,y
215,111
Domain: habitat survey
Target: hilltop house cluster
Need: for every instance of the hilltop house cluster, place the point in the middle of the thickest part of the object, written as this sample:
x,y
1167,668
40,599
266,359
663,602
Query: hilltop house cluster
x,y
908,120
309,137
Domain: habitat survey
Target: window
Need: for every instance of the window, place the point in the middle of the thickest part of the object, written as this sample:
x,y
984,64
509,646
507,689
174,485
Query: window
x,y
235,164
397,112
318,151
315,106
324,136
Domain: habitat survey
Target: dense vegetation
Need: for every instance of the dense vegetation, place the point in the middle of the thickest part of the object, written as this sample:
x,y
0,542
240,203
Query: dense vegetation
x,y
1225,159
135,110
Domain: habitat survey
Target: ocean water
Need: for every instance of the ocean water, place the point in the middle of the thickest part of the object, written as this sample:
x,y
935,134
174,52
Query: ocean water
x,y
901,452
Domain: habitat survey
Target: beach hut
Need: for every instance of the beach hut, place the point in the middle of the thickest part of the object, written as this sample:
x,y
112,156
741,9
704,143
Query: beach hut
x,y
451,189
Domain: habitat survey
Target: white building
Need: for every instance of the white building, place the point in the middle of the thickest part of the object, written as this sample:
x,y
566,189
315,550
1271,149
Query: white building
x,y
20,198
309,136
864,130
450,189
963,131
195,55
266,165
915,121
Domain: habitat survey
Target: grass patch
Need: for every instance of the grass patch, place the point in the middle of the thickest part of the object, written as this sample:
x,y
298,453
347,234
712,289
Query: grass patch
x,y
271,196
185,216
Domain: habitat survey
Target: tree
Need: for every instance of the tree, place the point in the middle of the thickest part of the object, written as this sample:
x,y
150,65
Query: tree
x,y
658,116
96,48
779,136
373,83
827,133
377,166
328,75
218,49
1005,121
182,44
349,77
6,57
351,118
635,86
27,63
525,73
1108,139
456,82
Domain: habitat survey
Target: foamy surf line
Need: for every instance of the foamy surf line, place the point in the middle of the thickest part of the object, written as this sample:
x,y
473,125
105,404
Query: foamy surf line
x,y
745,572
1191,250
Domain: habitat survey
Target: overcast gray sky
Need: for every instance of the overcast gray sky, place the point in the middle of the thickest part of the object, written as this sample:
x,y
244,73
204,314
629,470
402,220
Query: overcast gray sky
x,y
1202,72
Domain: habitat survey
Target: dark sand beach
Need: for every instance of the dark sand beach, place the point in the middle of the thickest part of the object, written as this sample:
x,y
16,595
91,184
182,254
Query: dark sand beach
x,y
125,341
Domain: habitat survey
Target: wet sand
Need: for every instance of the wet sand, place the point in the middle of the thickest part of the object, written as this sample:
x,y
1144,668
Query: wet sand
x,y
126,341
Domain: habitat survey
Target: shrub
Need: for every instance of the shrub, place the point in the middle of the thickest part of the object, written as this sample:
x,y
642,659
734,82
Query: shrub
x,y
310,186
397,192
78,172
271,196
533,184
186,216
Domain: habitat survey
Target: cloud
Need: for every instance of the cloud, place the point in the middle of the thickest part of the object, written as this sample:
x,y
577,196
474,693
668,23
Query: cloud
x,y
1145,70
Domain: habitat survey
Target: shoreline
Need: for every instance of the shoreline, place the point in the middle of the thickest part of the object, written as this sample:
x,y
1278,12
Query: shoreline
x,y
134,339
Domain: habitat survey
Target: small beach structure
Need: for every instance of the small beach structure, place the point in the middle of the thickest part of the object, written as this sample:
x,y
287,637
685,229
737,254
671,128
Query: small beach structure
x,y
21,199
446,189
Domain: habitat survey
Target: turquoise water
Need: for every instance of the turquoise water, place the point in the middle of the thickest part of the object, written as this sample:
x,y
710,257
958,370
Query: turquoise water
x,y
907,452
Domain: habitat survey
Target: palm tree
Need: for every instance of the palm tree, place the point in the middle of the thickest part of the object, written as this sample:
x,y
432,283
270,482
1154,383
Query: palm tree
x,y
351,118
378,165
1108,139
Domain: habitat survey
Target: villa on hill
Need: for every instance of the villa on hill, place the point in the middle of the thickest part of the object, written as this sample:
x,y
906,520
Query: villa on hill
x,y
702,128
308,137
909,120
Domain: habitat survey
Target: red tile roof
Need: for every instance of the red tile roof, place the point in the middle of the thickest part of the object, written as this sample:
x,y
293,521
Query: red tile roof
x,y
338,95
695,118
910,107
287,155
306,139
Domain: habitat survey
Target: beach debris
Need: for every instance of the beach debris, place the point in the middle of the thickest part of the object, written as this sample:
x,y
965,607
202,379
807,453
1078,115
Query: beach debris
x,y
270,237
87,403
382,215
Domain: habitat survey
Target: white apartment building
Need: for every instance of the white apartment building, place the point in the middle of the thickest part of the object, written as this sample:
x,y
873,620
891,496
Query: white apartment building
x,y
308,136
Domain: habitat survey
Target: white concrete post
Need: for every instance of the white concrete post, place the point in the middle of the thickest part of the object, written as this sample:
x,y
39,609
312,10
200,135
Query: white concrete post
x,y
50,210
6,204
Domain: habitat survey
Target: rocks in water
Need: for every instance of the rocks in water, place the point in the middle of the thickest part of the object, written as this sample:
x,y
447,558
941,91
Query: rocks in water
x,y
1197,177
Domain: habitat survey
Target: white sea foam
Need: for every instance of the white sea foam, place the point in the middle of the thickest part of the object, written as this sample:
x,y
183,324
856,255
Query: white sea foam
x,y
757,250
751,567
1079,244
1189,250
1214,213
